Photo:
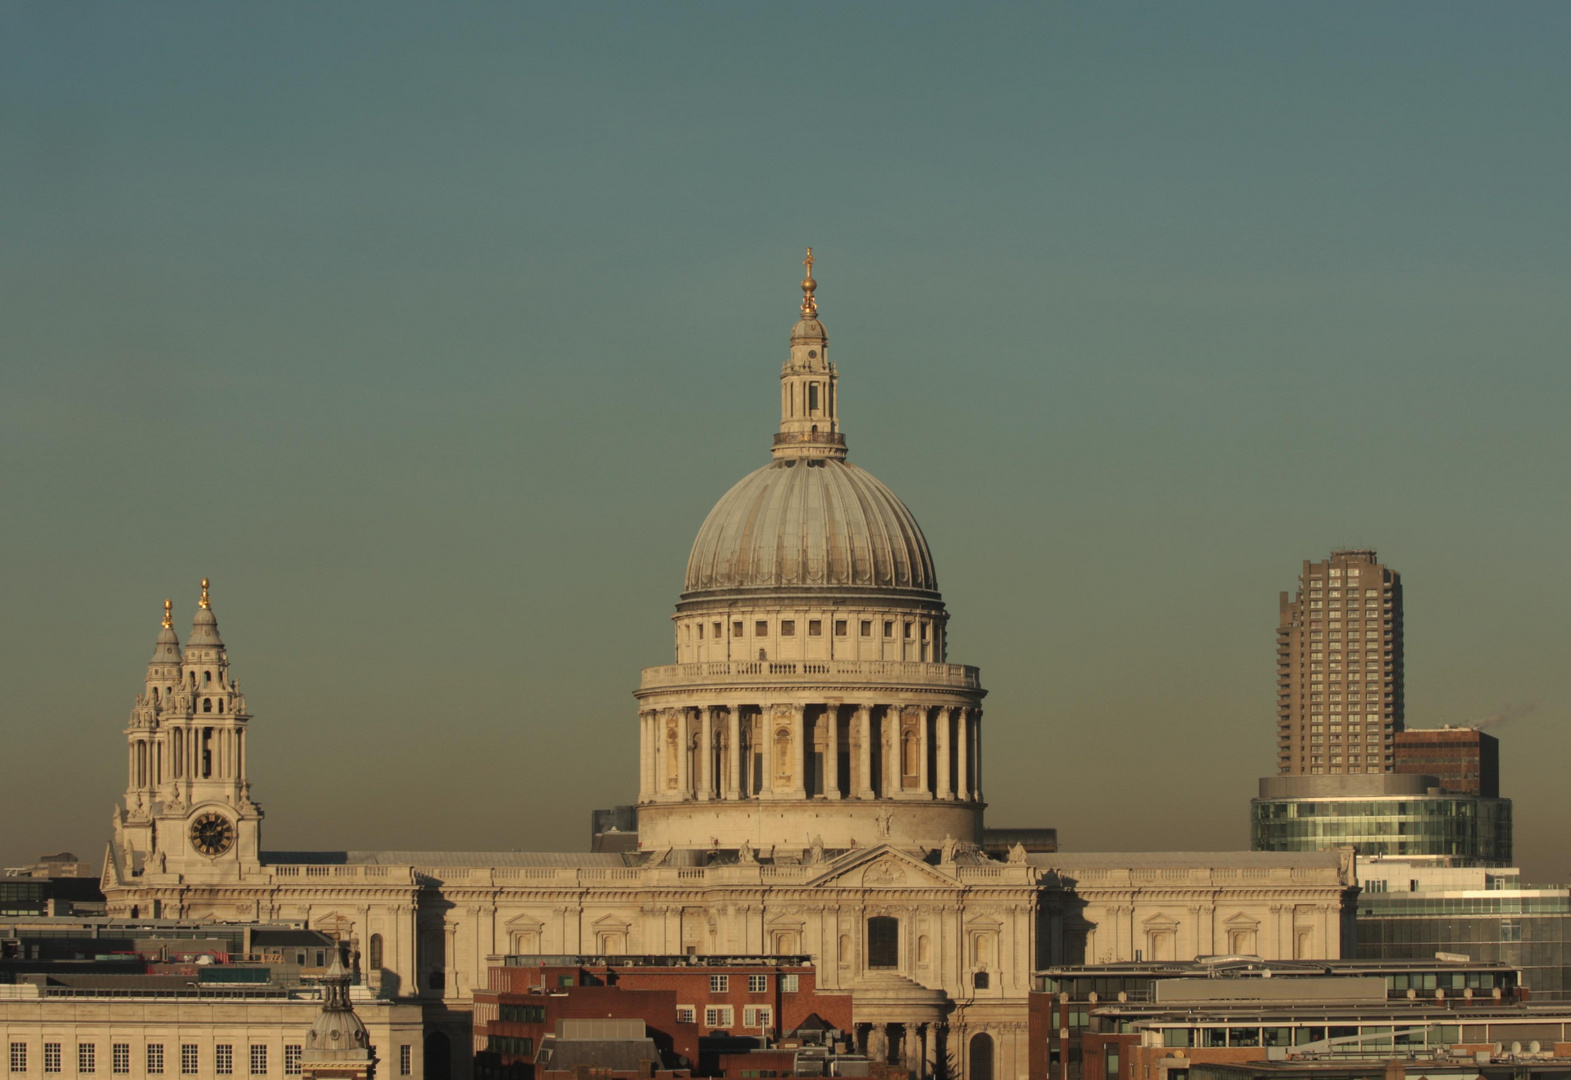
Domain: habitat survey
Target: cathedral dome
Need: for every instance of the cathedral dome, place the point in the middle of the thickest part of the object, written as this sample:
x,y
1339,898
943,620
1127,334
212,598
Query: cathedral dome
x,y
810,523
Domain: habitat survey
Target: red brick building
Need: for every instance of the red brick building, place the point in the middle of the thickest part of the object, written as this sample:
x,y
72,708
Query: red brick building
x,y
1465,760
678,998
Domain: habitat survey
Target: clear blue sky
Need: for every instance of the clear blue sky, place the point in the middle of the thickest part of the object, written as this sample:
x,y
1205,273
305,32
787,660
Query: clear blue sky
x,y
430,333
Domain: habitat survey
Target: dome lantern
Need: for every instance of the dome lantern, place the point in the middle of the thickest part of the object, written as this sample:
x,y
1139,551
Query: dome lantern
x,y
809,394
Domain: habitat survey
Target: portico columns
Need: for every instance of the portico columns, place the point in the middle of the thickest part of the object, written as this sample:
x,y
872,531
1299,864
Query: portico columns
x,y
911,1049
945,715
706,755
962,745
864,759
924,786
832,752
734,773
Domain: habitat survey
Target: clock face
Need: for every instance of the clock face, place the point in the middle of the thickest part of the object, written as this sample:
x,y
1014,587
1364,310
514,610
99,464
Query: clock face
x,y
212,834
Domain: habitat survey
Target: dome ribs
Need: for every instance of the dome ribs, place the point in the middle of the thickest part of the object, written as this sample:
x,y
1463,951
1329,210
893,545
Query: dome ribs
x,y
820,525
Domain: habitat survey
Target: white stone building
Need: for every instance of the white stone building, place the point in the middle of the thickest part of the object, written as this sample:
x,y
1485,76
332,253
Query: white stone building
x,y
811,781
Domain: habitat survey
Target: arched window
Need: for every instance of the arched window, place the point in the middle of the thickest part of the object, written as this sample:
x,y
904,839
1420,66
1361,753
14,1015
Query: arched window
x,y
981,1057
376,951
924,950
883,942
207,704
207,677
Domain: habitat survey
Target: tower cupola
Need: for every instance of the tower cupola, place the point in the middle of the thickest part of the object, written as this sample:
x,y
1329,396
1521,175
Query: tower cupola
x,y
204,628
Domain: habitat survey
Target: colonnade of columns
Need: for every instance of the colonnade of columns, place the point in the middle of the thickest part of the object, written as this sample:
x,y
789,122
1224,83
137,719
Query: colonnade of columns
x,y
918,1049
792,751
198,752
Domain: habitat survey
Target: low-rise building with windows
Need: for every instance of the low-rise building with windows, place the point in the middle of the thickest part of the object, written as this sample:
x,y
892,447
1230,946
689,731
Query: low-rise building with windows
x,y
158,1032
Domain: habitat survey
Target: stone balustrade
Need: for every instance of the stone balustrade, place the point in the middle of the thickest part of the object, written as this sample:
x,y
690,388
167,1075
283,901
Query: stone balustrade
x,y
752,673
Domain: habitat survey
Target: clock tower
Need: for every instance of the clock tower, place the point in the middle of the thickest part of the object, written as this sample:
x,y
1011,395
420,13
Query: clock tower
x,y
188,815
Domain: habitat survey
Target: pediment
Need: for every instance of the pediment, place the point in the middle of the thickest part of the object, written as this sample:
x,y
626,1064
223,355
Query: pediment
x,y
1160,921
984,924
883,867
1241,921
524,922
610,923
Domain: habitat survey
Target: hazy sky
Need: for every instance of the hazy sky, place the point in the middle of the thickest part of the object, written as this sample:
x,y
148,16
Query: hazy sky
x,y
430,333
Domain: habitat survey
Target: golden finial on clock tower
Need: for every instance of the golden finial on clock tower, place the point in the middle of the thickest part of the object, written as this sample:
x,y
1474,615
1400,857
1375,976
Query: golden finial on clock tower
x,y
809,305
205,601
169,619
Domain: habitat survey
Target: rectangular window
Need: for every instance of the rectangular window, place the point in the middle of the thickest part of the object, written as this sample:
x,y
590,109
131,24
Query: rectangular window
x,y
224,1059
719,631
188,1059
788,628
840,628
867,627
120,1058
757,984
815,628
686,1014
1111,1059
760,628
719,1016
889,628
789,983
51,1057
736,629
291,1060
758,1016
406,1060
258,1061
19,1057
86,1057
719,984
908,630
155,1058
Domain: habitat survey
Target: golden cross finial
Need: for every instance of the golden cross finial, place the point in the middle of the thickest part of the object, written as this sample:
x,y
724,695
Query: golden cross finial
x,y
809,305
169,619
205,601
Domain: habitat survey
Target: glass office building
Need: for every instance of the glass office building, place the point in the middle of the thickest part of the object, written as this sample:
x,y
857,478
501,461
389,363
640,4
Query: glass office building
x,y
1411,910
1379,814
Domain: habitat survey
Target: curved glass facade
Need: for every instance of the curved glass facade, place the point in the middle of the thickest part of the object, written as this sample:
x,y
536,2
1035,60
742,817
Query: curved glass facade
x,y
1462,825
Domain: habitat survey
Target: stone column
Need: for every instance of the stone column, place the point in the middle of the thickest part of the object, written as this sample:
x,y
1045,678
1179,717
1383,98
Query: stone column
x,y
976,733
684,760
933,1034
766,726
924,786
945,716
962,747
706,755
734,773
799,753
864,764
832,752
910,1049
890,739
